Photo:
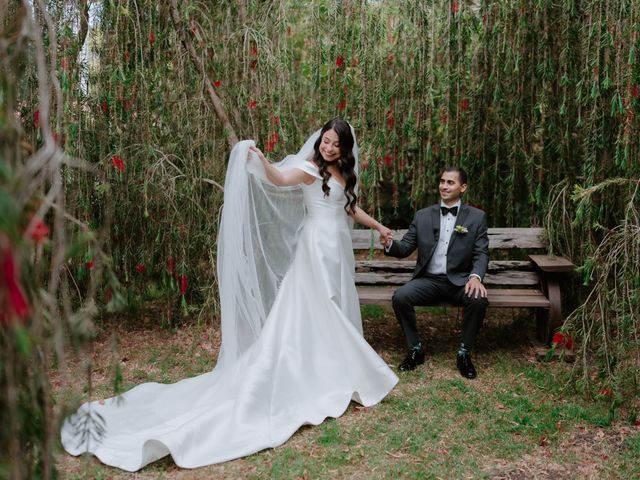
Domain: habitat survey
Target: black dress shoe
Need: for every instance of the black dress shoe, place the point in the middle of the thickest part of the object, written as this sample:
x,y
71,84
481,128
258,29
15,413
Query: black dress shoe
x,y
465,366
414,358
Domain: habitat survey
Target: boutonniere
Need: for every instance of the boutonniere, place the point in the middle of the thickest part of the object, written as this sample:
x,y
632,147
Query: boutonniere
x,y
460,229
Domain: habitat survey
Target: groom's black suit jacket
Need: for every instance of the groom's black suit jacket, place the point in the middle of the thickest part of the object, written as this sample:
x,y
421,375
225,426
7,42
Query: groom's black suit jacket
x,y
467,253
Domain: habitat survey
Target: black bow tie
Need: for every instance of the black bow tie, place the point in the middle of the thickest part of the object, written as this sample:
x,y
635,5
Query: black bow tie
x,y
453,210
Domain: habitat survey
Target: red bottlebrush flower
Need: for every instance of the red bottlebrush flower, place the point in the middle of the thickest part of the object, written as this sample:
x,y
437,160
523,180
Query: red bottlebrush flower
x,y
63,63
89,264
17,300
388,160
634,91
118,163
37,230
253,104
254,51
268,147
274,138
182,279
36,119
276,120
464,105
561,340
152,39
444,118
339,61
253,64
606,392
170,264
217,84
104,106
342,105
140,268
455,7
390,120
108,293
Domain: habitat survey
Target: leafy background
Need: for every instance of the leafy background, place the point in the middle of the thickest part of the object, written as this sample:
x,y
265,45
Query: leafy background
x,y
537,100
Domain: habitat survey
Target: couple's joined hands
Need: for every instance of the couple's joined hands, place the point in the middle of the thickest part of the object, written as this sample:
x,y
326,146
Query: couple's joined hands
x,y
386,235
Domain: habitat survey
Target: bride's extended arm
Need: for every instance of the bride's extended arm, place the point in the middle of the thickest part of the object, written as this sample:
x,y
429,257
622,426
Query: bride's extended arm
x,y
283,178
363,218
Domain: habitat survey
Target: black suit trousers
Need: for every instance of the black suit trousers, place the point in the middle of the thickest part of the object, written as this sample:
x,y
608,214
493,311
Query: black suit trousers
x,y
428,290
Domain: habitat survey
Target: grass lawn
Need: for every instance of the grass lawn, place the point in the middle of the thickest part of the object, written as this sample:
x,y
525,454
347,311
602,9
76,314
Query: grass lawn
x,y
519,419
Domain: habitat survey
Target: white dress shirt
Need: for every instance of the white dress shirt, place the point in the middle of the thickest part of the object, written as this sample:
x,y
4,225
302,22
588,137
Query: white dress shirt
x,y
438,263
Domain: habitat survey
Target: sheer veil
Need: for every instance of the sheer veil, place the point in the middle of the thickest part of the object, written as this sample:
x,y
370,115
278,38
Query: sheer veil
x,y
256,242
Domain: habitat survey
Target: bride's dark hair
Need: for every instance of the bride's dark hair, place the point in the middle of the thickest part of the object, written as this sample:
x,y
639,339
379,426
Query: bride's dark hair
x,y
346,164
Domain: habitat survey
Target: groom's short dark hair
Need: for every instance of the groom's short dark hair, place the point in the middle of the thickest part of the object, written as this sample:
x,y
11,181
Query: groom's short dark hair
x,y
462,174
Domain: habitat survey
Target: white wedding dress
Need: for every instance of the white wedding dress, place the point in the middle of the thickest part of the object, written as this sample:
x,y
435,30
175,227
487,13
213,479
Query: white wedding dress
x,y
307,362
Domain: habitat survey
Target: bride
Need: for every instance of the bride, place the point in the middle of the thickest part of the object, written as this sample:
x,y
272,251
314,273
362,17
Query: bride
x,y
292,347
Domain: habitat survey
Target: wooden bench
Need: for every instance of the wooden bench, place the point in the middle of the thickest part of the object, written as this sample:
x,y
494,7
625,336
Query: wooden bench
x,y
526,278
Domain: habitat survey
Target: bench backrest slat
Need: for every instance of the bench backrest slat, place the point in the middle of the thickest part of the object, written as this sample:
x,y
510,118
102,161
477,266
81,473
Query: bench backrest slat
x,y
499,238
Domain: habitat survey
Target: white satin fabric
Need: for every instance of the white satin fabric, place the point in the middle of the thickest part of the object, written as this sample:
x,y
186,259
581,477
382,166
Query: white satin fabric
x,y
308,361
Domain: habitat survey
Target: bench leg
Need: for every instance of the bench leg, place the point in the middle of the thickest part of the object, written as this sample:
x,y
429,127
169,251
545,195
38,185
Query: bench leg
x,y
555,312
542,325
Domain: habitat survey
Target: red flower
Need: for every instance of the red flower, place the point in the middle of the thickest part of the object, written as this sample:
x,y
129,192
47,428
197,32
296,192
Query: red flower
x,y
390,59
140,268
15,295
634,91
37,230
253,64
464,105
89,264
455,7
104,106
390,120
126,104
182,279
152,39
339,61
117,162
561,340
444,118
170,264
63,63
276,120
36,119
342,104
254,51
274,138
253,104
268,147
388,160
606,392
217,84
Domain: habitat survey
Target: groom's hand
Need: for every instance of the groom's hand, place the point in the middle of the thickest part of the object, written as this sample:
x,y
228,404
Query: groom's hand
x,y
475,288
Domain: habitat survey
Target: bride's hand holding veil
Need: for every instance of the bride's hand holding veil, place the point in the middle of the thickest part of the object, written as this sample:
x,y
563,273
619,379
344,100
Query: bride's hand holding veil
x,y
281,178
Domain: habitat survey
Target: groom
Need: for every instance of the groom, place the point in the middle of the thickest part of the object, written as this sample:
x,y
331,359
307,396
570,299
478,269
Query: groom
x,y
453,254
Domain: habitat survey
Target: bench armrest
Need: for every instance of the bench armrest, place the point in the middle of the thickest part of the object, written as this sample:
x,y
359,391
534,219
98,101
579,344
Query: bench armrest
x,y
552,264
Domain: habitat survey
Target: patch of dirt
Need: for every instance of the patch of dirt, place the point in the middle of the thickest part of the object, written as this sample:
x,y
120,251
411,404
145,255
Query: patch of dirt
x,y
590,448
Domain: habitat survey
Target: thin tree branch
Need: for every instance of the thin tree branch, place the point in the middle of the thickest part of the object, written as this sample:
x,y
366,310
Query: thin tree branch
x,y
232,138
